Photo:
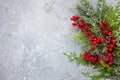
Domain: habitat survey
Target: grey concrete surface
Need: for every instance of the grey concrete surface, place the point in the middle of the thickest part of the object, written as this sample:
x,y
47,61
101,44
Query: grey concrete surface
x,y
33,36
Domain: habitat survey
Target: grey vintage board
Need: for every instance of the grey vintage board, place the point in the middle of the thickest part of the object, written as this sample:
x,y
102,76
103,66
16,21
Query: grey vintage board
x,y
33,36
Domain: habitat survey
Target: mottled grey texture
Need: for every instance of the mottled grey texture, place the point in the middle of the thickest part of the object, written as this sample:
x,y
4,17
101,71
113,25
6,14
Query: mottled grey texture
x,y
33,36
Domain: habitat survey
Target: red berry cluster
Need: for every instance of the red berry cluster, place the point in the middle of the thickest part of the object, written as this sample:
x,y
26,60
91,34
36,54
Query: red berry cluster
x,y
96,40
110,40
89,57
92,58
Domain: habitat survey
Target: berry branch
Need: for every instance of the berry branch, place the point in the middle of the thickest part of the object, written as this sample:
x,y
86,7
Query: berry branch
x,y
99,31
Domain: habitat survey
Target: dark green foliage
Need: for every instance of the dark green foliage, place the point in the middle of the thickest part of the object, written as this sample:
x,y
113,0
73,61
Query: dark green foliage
x,y
113,16
86,11
91,16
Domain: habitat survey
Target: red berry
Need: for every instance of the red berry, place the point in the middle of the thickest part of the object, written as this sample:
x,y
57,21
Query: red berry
x,y
82,21
97,62
89,53
109,55
98,39
106,59
93,47
94,43
105,31
111,58
106,23
110,29
106,52
99,57
112,46
89,30
77,17
71,19
87,33
79,25
112,37
86,27
92,35
110,63
74,24
107,49
101,26
102,40
95,39
107,38
74,18
110,49
113,42
89,39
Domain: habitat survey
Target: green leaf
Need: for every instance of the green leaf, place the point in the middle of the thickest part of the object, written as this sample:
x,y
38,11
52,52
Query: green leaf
x,y
106,67
99,76
71,56
87,74
81,37
86,47
80,60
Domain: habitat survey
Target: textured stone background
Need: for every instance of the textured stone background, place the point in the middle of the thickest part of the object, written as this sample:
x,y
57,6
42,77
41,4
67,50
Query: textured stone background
x,y
33,36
